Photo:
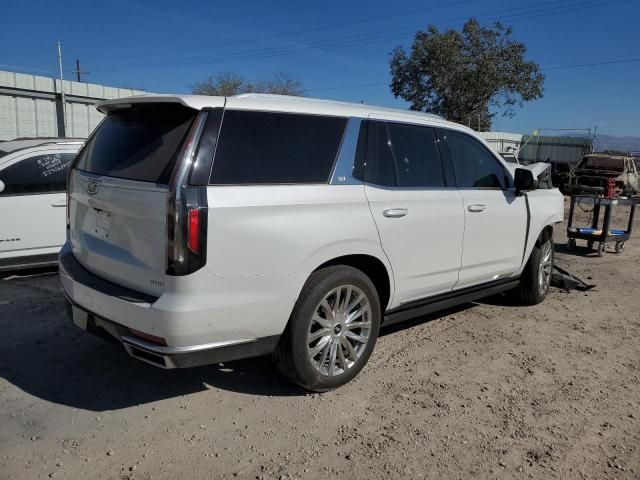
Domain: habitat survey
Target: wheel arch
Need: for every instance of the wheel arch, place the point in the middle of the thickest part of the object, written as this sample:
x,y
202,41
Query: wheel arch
x,y
372,267
547,228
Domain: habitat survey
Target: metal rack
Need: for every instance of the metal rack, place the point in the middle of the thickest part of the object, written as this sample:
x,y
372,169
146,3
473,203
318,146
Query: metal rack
x,y
604,235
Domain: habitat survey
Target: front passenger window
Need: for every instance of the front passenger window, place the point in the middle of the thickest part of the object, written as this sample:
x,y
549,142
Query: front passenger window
x,y
473,164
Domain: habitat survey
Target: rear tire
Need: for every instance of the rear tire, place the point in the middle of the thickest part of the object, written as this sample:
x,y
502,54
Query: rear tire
x,y
536,276
332,330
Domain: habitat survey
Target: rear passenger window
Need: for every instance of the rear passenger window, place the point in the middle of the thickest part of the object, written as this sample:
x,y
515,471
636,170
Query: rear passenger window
x,y
39,174
416,157
276,148
473,164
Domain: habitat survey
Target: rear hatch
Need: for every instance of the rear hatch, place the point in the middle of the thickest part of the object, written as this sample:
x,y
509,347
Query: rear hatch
x,y
118,192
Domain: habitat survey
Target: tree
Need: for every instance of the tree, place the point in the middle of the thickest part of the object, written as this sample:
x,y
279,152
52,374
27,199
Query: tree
x,y
467,76
227,84
223,84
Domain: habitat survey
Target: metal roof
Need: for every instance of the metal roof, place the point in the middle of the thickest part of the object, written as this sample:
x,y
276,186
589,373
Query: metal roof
x,y
557,149
11,146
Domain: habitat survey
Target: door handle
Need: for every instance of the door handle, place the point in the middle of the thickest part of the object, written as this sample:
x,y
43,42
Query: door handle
x,y
476,208
59,204
395,212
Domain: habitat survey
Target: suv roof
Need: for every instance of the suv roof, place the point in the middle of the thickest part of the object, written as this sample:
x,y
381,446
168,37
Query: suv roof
x,y
12,146
268,102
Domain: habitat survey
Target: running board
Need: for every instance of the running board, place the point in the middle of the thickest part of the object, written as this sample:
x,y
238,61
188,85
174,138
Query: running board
x,y
447,300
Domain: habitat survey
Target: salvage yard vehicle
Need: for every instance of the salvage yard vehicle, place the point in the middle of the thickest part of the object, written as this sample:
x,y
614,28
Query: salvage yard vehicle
x,y
207,229
33,175
592,174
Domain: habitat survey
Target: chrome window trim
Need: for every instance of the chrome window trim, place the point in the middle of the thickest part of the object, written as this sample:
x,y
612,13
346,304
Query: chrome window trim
x,y
410,189
343,168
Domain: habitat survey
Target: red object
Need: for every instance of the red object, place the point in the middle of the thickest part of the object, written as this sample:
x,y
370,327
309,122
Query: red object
x,y
148,337
611,188
193,235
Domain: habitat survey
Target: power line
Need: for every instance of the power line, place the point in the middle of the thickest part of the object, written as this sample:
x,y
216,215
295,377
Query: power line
x,y
361,39
557,67
580,65
340,42
296,32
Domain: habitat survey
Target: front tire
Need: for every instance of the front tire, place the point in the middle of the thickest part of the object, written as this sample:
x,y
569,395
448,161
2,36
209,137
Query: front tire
x,y
536,276
332,330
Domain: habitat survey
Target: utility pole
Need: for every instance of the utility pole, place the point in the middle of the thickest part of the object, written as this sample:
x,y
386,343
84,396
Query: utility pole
x,y
64,102
78,71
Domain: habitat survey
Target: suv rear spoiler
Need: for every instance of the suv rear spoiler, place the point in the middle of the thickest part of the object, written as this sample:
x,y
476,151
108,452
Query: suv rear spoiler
x,y
196,102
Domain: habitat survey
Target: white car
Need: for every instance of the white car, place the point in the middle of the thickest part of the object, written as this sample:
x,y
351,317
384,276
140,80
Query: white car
x,y
33,177
205,229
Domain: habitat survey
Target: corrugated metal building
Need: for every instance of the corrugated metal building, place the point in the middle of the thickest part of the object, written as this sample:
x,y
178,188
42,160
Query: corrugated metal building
x,y
539,148
502,141
31,106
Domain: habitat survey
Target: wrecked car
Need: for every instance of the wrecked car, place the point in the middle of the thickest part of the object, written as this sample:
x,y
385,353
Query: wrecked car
x,y
592,173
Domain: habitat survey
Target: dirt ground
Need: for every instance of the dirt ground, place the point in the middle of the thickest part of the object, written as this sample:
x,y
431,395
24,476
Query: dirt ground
x,y
489,390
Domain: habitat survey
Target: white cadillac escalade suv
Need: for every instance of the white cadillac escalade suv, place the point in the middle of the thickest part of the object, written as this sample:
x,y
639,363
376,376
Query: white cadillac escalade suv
x,y
205,229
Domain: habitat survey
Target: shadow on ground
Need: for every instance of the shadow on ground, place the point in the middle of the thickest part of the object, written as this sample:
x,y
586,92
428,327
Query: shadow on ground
x,y
580,250
43,354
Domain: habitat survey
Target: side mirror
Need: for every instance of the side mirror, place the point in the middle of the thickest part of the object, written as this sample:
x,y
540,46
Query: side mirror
x,y
1,186
523,180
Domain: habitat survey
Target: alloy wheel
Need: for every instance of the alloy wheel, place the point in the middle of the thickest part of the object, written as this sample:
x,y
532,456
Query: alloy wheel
x,y
339,331
546,267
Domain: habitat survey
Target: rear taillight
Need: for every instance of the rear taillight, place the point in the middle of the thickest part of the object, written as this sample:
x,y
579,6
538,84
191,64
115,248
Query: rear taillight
x,y
187,232
68,207
187,210
68,193
193,231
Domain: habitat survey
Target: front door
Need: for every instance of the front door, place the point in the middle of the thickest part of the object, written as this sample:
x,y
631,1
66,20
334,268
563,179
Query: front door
x,y
495,219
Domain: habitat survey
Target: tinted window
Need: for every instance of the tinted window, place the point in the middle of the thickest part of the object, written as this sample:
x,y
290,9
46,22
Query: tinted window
x,y
265,147
39,174
473,164
379,162
416,156
140,143
360,161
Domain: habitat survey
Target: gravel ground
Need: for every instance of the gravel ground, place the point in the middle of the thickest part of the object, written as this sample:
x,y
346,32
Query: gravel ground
x,y
488,390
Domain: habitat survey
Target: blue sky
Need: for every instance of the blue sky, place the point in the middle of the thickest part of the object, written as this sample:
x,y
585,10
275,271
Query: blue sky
x,y
165,46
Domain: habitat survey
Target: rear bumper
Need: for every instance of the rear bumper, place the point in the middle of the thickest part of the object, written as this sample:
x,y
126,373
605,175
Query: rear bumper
x,y
116,313
170,357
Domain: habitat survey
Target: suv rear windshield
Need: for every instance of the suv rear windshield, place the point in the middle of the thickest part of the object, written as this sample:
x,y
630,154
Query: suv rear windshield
x,y
140,143
276,148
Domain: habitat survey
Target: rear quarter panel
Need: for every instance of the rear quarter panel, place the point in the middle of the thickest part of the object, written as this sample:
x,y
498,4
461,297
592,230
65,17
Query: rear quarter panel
x,y
286,229
264,241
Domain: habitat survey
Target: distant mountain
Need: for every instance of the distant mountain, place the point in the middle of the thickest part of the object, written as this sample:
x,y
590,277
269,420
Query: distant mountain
x,y
624,144
609,142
